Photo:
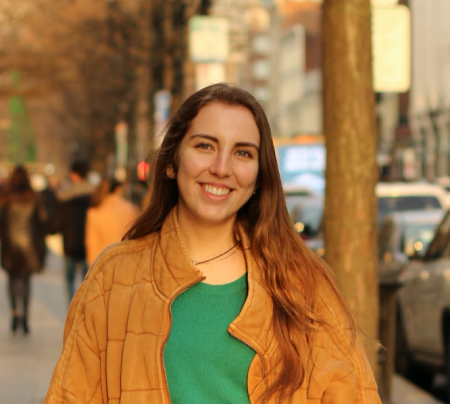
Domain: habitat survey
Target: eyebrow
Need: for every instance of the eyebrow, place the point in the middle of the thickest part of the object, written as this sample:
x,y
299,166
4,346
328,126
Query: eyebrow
x,y
214,139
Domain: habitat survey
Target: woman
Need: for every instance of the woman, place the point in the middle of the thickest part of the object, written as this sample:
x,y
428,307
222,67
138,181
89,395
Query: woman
x,y
212,297
22,222
108,218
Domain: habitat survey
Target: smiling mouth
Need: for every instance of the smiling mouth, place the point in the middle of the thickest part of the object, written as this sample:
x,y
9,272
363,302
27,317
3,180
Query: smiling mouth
x,y
216,191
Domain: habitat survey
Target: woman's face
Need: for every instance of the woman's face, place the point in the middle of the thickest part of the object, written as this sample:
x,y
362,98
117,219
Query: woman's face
x,y
217,164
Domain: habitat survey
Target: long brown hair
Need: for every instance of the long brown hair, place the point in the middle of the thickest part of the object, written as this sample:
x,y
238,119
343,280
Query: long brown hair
x,y
19,182
277,248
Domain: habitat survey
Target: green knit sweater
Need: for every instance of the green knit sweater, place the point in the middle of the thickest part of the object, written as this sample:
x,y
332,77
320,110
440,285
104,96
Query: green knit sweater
x,y
204,363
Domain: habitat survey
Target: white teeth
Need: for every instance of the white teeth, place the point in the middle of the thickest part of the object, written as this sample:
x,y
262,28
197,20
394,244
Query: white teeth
x,y
216,191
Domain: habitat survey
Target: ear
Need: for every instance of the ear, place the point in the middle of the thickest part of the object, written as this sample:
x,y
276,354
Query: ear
x,y
170,172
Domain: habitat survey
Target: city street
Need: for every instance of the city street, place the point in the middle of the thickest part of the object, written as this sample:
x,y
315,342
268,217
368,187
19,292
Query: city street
x,y
27,361
225,113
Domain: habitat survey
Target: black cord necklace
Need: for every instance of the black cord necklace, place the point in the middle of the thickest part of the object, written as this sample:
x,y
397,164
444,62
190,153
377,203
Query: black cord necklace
x,y
213,258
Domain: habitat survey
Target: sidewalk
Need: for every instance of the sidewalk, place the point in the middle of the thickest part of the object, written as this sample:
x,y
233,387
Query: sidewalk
x,y
404,392
27,362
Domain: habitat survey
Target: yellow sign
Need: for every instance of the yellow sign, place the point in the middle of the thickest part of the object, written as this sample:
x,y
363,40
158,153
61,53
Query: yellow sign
x,y
391,48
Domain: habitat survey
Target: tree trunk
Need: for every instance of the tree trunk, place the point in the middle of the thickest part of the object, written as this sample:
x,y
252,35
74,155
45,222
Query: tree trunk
x,y
351,170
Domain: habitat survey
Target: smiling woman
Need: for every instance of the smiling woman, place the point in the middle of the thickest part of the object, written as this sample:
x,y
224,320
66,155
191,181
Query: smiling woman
x,y
216,171
212,297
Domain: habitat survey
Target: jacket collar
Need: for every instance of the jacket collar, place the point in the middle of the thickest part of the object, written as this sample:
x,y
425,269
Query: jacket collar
x,y
173,270
174,273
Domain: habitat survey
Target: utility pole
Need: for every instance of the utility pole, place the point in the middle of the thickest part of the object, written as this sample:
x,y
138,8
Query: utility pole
x,y
351,170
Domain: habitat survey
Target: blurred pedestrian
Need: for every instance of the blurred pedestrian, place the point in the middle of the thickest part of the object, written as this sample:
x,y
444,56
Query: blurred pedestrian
x,y
22,231
213,297
48,195
69,219
107,218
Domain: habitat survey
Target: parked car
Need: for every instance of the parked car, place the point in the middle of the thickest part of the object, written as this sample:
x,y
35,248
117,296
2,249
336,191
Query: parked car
x,y
423,316
392,197
403,235
305,209
407,196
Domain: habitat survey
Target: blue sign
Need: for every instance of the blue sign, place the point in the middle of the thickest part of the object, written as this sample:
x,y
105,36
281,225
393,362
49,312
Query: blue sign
x,y
302,165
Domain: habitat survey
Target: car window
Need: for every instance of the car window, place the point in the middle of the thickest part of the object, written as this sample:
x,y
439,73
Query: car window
x,y
416,237
292,203
389,204
440,240
306,214
297,192
311,217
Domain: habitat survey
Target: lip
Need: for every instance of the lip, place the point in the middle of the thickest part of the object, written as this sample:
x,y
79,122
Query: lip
x,y
215,185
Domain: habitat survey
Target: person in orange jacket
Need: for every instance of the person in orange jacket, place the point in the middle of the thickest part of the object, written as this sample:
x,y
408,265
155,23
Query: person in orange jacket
x,y
108,217
212,297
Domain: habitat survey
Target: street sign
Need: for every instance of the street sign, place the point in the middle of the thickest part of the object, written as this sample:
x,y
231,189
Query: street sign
x,y
208,39
384,3
391,47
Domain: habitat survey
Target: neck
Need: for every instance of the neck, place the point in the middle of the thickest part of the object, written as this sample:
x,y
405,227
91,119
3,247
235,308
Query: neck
x,y
203,240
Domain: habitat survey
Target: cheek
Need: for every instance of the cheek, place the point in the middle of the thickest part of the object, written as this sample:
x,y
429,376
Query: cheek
x,y
189,168
248,176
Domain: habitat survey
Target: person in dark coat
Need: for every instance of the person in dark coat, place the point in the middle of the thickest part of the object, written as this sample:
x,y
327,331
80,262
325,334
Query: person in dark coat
x,y
22,232
48,196
69,219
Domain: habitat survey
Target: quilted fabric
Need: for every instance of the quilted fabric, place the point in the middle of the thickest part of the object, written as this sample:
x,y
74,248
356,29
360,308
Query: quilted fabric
x,y
119,321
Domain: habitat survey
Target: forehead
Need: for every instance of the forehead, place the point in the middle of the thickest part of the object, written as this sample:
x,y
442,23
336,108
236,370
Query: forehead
x,y
222,119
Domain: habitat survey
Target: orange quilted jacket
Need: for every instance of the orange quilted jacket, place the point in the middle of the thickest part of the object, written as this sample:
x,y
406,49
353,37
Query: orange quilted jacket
x,y
119,322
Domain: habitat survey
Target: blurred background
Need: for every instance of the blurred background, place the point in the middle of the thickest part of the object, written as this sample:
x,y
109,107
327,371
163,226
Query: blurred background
x,y
98,80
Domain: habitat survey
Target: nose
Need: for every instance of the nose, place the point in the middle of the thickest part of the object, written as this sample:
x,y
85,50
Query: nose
x,y
221,165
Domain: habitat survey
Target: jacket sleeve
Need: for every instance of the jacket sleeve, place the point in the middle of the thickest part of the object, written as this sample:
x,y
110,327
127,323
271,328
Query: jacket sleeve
x,y
341,370
341,377
79,375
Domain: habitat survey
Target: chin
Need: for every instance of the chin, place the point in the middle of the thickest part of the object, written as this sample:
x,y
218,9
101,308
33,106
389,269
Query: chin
x,y
216,217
